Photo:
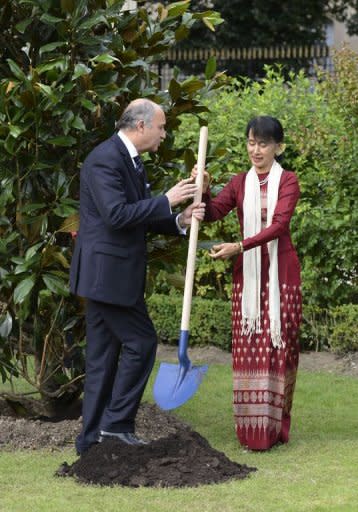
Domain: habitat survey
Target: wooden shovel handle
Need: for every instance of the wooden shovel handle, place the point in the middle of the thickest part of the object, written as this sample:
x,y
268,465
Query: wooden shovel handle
x,y
194,229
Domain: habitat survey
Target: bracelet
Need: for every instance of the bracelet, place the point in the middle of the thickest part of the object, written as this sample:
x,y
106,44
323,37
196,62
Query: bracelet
x,y
241,247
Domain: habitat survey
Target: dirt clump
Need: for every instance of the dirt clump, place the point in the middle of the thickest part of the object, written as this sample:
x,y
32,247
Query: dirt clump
x,y
176,456
183,459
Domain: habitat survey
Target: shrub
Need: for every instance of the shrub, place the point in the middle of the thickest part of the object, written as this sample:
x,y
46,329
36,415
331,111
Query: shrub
x,y
315,328
334,329
210,322
344,333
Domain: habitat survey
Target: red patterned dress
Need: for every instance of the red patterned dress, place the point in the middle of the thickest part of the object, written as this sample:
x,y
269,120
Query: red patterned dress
x,y
263,376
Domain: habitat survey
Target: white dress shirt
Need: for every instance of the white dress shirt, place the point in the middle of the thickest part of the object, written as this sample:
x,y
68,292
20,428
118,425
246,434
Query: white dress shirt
x,y
132,150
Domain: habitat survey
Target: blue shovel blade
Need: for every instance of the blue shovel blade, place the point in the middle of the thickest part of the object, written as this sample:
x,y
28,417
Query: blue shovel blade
x,y
175,384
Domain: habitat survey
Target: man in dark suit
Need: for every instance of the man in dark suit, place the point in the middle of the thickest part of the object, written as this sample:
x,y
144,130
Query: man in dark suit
x,y
109,265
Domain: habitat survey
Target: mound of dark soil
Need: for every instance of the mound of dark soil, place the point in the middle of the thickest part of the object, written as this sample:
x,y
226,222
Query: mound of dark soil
x,y
182,459
175,457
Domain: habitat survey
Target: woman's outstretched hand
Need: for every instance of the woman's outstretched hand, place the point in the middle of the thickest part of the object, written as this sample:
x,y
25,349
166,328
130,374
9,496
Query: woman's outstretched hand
x,y
225,250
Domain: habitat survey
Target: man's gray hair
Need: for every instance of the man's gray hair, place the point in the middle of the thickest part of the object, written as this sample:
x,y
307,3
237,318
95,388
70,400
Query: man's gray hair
x,y
138,110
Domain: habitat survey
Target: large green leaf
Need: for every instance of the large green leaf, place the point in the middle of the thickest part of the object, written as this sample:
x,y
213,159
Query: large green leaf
x,y
181,33
48,91
31,207
22,26
192,85
5,325
177,8
60,64
175,89
88,105
23,289
65,210
105,58
55,284
210,68
33,250
212,20
78,124
15,131
51,46
92,21
80,70
5,242
48,18
16,70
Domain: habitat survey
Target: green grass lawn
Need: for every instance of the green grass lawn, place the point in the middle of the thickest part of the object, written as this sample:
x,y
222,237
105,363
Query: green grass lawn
x,y
316,471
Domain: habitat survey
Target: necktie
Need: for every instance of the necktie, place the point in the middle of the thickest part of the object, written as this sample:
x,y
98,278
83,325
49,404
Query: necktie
x,y
140,172
139,165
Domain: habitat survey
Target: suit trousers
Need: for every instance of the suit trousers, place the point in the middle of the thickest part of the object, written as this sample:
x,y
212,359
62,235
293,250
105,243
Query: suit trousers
x,y
121,345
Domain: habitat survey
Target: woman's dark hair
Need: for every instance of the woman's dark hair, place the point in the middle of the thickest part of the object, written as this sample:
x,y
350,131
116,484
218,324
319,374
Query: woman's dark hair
x,y
266,128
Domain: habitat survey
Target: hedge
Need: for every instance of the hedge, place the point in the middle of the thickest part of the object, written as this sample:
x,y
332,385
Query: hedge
x,y
210,324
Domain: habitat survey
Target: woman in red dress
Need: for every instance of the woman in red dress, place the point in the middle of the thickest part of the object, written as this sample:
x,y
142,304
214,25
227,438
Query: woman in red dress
x,y
266,297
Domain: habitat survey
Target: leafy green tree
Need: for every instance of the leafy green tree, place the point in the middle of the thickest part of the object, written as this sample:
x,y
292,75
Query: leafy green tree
x,y
68,69
263,23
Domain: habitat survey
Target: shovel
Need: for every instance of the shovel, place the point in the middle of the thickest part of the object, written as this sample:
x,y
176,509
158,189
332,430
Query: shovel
x,y
176,383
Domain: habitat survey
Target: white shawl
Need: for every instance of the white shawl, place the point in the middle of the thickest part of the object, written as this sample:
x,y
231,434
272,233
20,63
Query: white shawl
x,y
250,305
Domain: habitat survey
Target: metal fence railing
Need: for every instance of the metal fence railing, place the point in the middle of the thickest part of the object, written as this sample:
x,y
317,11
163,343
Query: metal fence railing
x,y
248,62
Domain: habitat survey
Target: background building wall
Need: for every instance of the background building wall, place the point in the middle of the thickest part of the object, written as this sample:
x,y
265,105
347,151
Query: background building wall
x,y
338,37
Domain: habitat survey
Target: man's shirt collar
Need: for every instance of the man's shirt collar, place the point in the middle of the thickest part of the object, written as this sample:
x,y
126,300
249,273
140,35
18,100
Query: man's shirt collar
x,y
132,150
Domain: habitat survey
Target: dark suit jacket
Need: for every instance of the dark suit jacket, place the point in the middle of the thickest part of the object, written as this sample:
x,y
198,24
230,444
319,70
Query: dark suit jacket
x,y
116,211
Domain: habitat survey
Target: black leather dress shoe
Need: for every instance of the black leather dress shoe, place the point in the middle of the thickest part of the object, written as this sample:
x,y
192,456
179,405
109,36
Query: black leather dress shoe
x,y
125,437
